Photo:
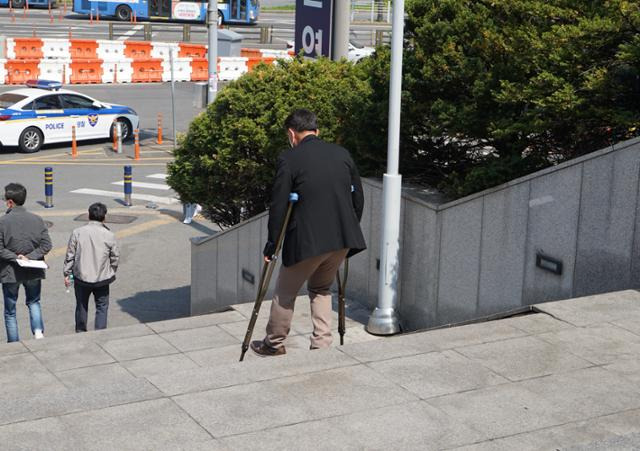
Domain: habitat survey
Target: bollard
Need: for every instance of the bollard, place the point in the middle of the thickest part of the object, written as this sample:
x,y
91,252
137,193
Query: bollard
x,y
159,140
186,32
111,31
74,146
60,15
115,73
97,15
119,133
91,17
48,187
128,178
115,137
147,32
70,35
136,144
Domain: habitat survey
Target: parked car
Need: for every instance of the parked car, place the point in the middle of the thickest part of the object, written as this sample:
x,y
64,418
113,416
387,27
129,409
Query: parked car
x,y
43,113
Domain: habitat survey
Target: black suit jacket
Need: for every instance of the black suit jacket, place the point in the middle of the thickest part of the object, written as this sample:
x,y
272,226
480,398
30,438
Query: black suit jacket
x,y
327,215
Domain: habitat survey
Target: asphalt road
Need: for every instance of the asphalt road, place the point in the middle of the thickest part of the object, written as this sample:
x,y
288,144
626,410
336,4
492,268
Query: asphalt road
x,y
154,275
61,25
147,99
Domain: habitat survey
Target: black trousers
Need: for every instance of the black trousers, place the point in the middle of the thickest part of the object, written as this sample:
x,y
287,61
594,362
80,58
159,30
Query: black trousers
x,y
101,296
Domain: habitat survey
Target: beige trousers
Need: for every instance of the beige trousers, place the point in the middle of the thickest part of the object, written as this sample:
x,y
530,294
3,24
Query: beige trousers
x,y
319,272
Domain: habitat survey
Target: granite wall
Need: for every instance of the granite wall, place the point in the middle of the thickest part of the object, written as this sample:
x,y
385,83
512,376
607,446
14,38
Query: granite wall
x,y
476,256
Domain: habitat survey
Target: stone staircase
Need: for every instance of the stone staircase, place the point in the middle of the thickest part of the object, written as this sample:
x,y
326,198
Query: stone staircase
x,y
565,376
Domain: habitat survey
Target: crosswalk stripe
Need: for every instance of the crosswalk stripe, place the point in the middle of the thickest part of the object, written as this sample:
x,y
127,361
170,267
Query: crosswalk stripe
x,y
118,194
128,34
145,185
157,176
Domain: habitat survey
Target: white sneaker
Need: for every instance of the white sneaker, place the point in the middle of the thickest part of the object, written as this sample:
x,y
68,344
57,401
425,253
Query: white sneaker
x,y
198,210
38,334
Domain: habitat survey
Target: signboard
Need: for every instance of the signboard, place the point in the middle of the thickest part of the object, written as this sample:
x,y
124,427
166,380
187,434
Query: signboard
x,y
313,27
186,11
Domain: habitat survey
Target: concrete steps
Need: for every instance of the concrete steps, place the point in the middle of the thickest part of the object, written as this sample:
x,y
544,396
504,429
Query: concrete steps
x,y
567,376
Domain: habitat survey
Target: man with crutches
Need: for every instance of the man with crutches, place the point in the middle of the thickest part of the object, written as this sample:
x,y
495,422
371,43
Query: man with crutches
x,y
323,229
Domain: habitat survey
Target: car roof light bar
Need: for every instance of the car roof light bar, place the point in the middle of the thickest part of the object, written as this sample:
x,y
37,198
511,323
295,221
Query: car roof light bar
x,y
44,84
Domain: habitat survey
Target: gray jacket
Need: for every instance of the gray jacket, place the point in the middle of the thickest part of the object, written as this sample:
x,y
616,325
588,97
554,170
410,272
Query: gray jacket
x,y
92,254
22,233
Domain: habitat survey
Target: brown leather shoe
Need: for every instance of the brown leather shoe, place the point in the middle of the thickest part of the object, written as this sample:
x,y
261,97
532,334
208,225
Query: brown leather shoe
x,y
264,350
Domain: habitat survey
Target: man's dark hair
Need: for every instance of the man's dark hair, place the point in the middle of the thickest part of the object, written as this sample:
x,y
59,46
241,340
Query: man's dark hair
x,y
15,192
97,212
301,120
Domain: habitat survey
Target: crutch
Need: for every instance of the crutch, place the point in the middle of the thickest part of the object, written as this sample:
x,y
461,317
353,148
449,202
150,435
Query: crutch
x,y
265,278
342,286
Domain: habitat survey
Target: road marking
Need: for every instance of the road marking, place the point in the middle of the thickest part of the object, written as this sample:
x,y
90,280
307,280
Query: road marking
x,y
135,210
143,227
118,195
130,33
158,176
124,233
144,185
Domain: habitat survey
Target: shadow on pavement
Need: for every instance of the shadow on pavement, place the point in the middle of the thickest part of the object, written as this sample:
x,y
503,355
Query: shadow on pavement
x,y
158,305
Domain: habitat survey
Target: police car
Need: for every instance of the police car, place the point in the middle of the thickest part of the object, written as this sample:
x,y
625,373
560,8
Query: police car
x,y
43,113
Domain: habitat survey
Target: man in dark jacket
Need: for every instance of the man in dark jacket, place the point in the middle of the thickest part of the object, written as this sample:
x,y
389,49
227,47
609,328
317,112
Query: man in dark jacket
x,y
324,228
23,236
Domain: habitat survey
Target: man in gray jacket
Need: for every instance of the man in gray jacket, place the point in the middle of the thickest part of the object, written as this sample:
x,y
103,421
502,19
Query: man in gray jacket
x,y
92,258
23,236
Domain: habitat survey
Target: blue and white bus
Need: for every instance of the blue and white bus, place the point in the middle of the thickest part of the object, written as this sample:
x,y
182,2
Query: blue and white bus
x,y
19,4
229,11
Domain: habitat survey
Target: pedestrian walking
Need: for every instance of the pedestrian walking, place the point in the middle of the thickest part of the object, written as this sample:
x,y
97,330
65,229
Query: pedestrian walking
x,y
92,259
23,236
324,228
190,211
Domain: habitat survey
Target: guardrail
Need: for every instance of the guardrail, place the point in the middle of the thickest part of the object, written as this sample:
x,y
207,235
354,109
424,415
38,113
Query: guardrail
x,y
371,10
270,34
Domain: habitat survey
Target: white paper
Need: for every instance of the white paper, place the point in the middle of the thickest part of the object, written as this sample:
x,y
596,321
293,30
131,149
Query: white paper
x,y
39,264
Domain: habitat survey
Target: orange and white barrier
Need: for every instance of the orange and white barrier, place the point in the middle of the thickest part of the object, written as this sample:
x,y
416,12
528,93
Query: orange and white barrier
x,y
162,50
85,71
147,70
110,50
55,70
232,68
24,48
181,69
117,71
56,48
19,71
138,50
192,50
3,70
80,61
83,48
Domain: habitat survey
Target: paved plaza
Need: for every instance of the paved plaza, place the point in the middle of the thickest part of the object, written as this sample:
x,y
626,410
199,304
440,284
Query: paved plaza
x,y
566,376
